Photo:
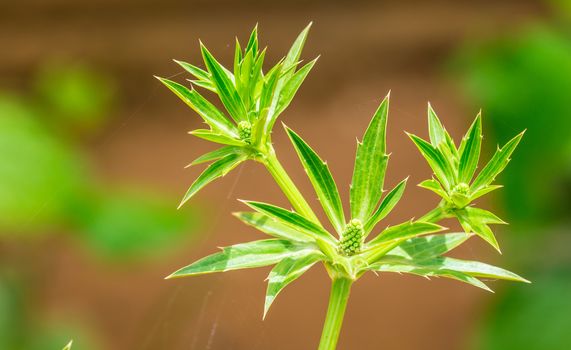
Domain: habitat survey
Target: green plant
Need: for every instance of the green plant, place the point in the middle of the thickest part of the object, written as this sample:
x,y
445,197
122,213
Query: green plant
x,y
299,240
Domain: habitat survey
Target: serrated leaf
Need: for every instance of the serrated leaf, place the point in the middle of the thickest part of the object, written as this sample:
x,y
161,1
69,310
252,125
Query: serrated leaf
x,y
215,170
322,181
224,86
203,84
386,206
370,166
473,223
211,115
285,272
497,164
274,227
292,219
435,187
253,41
216,154
470,151
485,190
208,135
410,267
428,247
244,256
404,231
237,57
199,73
440,166
289,89
292,57
435,129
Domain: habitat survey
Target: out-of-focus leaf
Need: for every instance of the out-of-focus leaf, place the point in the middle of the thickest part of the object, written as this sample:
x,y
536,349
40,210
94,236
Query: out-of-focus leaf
x,y
386,206
245,256
287,271
211,115
470,151
370,166
322,181
39,172
274,227
129,225
74,95
215,170
224,86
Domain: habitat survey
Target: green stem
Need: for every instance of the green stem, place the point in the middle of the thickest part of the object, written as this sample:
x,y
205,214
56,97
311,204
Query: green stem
x,y
335,312
288,187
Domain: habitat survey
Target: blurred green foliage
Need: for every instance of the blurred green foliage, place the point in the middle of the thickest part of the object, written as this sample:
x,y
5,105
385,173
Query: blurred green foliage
x,y
47,186
523,80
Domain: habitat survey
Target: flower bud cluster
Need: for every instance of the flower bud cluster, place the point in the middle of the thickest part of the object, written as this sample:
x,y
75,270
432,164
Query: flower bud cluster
x,y
352,238
245,131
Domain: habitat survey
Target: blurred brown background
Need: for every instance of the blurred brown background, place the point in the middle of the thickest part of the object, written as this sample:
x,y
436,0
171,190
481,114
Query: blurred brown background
x,y
367,48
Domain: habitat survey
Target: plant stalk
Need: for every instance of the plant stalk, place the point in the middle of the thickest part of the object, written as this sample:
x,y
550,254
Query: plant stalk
x,y
338,298
288,187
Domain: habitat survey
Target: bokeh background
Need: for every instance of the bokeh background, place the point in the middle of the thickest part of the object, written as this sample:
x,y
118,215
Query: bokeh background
x,y
92,151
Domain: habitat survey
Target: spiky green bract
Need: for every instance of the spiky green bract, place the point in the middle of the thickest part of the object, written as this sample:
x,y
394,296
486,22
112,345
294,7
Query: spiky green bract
x,y
370,166
252,99
322,181
454,170
299,241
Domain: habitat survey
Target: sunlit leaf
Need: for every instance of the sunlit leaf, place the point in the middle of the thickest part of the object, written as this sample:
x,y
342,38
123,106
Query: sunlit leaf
x,y
194,70
370,166
496,164
288,91
274,227
244,256
216,154
470,151
405,231
475,220
211,115
287,271
428,247
215,170
218,138
435,187
435,128
224,86
440,166
291,219
322,181
386,206
408,266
